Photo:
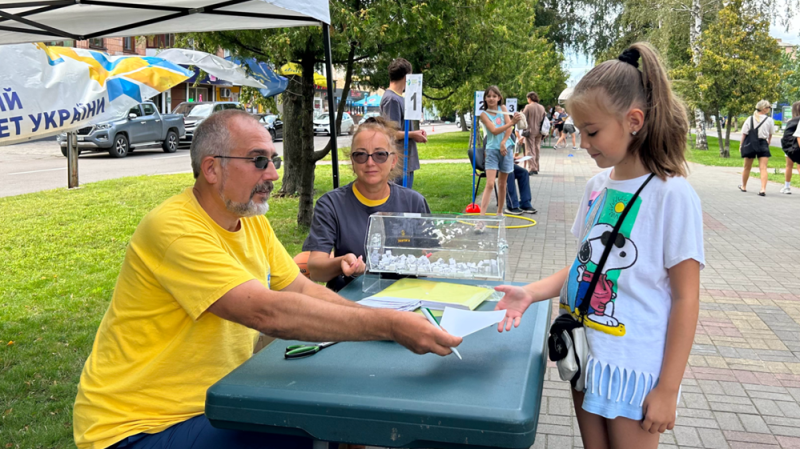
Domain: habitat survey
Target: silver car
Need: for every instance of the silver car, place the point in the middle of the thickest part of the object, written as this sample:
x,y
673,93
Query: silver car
x,y
322,124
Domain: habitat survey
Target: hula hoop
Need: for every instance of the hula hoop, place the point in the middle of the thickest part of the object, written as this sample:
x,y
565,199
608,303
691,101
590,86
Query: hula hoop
x,y
529,225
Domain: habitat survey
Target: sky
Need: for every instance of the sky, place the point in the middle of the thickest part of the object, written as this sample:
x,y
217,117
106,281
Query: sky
x,y
578,64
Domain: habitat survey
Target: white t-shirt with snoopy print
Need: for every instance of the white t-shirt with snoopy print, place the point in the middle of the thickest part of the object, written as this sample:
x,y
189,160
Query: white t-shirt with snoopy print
x,y
630,307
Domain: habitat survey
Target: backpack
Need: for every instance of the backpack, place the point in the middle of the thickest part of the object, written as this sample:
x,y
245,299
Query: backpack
x,y
789,141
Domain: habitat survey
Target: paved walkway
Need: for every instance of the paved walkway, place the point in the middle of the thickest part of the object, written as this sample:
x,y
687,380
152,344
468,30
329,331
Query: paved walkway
x,y
742,386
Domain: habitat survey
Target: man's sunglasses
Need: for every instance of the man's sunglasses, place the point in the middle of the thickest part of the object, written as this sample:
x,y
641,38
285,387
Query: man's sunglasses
x,y
262,162
360,157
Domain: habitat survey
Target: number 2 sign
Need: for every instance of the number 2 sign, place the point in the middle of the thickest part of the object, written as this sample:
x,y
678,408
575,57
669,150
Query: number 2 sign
x,y
413,97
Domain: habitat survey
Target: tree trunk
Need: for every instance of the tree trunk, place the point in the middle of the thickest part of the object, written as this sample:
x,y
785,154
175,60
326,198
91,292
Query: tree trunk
x,y
463,121
305,208
701,142
722,150
728,134
293,136
348,80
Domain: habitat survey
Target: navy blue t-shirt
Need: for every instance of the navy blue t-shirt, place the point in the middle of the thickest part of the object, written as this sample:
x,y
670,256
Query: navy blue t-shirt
x,y
340,222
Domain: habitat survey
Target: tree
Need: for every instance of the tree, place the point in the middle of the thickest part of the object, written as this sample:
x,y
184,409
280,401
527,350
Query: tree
x,y
444,40
790,78
739,65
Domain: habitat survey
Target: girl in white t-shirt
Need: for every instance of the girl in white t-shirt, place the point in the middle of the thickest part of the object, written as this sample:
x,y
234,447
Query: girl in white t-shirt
x,y
642,315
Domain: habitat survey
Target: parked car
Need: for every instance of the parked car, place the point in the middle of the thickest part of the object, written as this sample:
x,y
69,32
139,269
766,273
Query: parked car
x,y
195,112
322,125
143,125
369,115
273,124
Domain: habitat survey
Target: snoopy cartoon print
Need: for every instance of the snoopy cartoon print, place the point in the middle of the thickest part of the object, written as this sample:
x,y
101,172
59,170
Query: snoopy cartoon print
x,y
623,255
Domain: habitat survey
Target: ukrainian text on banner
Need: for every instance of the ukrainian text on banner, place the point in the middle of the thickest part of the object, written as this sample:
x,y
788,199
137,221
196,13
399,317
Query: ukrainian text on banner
x,y
45,91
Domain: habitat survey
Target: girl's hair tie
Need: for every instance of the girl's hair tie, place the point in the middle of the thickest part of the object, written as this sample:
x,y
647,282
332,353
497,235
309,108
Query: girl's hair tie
x,y
631,56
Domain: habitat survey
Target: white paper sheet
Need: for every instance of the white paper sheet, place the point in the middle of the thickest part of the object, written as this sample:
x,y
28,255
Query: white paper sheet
x,y
461,323
524,158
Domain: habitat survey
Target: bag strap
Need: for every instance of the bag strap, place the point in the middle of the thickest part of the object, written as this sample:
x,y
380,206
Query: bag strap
x,y
759,125
584,307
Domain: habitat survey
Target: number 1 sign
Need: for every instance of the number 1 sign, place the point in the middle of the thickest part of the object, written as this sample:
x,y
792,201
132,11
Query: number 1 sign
x,y
413,97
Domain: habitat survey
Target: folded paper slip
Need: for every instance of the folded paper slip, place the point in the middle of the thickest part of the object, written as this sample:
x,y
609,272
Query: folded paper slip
x,y
435,295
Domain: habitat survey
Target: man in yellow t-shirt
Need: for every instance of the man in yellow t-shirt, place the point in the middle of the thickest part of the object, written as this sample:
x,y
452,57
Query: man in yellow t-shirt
x,y
203,273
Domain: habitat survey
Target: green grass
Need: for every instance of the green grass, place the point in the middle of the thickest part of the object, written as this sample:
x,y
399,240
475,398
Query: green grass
x,y
712,157
61,252
440,146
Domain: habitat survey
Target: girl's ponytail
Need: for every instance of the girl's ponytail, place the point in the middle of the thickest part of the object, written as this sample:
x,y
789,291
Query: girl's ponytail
x,y
661,144
618,85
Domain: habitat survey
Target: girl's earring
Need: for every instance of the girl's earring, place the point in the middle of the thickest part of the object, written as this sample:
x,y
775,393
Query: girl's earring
x,y
633,133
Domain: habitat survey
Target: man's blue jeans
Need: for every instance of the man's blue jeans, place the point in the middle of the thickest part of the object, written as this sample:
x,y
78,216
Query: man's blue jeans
x,y
524,200
197,433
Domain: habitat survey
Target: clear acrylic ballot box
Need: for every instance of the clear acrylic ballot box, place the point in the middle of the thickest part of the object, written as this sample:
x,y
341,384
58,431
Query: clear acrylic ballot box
x,y
428,245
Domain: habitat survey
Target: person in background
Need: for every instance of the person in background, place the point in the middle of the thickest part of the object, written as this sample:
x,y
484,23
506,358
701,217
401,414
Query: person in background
x,y
499,160
393,108
568,130
558,122
791,147
519,204
765,127
534,114
341,216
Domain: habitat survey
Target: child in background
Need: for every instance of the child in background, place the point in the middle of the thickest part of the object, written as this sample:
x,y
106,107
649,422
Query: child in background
x,y
642,315
498,158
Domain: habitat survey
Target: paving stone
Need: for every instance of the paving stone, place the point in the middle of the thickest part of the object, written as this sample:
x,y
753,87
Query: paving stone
x,y
767,407
748,437
687,436
788,442
753,423
560,406
733,389
712,438
789,409
559,442
728,421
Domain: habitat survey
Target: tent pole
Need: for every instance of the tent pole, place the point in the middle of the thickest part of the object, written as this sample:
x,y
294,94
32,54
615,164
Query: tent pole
x,y
72,160
326,40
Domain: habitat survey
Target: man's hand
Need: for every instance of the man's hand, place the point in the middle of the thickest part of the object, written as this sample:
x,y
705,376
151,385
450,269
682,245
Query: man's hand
x,y
515,302
659,410
421,337
352,265
418,136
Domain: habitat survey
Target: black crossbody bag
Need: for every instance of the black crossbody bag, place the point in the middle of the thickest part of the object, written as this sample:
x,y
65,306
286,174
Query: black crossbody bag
x,y
567,344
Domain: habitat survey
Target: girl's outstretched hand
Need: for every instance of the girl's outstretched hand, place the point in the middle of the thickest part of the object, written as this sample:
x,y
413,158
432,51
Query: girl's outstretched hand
x,y
515,303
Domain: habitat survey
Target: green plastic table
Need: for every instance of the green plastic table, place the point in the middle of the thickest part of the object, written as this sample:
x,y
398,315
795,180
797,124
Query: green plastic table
x,y
381,394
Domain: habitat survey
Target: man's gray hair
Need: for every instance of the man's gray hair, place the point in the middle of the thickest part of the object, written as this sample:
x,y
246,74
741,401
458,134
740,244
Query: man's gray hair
x,y
213,137
763,104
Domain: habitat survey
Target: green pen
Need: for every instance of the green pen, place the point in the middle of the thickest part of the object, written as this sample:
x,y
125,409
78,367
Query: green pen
x,y
435,322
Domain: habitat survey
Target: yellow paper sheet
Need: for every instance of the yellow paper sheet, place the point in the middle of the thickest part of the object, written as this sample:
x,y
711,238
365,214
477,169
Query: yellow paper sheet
x,y
437,295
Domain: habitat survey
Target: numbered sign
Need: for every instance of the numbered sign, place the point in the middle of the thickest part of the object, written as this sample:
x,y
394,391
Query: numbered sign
x,y
511,104
478,102
413,97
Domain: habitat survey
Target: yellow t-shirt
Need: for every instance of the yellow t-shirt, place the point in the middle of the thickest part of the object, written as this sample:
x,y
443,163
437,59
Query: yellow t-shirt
x,y
157,351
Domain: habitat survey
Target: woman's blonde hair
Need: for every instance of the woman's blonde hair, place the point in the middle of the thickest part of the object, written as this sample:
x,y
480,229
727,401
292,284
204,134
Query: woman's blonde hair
x,y
387,128
619,85
763,104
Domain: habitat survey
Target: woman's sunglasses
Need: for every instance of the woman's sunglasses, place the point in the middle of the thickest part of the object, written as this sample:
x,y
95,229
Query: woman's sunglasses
x,y
361,157
262,162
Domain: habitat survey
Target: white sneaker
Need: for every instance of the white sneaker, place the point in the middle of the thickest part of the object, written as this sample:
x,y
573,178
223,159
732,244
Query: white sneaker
x,y
786,190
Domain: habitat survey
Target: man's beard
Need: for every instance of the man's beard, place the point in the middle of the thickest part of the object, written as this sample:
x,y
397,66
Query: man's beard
x,y
250,208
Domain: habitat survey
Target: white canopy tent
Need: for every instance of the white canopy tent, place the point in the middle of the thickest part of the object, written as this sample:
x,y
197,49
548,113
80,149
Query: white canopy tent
x,y
24,21
565,94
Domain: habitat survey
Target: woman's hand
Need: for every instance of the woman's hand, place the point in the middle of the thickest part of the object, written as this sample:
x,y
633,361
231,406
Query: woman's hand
x,y
659,410
352,265
515,303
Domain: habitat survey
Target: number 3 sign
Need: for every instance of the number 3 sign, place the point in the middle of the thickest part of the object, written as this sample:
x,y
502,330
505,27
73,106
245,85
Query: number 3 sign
x,y
413,97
